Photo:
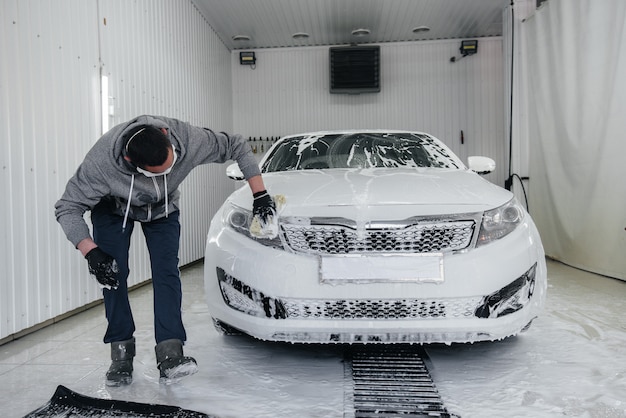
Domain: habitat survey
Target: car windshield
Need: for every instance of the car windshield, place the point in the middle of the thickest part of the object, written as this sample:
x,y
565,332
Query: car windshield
x,y
359,150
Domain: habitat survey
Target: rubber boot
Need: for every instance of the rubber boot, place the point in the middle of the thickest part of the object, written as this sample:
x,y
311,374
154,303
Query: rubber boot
x,y
171,362
121,370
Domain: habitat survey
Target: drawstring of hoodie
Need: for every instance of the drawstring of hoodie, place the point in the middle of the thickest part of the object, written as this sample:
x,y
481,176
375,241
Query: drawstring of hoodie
x,y
151,175
130,195
167,206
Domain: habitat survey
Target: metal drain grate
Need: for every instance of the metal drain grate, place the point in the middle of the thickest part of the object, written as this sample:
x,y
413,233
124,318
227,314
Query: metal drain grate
x,y
390,382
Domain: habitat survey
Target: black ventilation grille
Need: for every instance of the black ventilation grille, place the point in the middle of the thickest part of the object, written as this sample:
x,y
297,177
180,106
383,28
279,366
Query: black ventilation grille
x,y
355,69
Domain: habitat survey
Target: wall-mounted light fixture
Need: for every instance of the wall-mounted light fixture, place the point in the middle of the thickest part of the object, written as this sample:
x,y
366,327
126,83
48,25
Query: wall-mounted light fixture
x,y
469,47
247,58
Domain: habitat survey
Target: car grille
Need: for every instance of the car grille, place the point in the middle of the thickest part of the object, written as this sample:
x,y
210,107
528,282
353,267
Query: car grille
x,y
381,309
251,301
416,238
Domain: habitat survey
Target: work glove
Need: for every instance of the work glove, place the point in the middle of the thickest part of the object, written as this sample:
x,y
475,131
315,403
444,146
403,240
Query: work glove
x,y
263,206
264,220
104,267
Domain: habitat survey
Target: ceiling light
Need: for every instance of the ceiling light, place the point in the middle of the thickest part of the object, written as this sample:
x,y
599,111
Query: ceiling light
x,y
420,29
300,35
361,32
241,38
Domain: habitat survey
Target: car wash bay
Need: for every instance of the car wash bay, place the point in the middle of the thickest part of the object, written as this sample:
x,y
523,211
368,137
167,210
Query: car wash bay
x,y
72,69
569,363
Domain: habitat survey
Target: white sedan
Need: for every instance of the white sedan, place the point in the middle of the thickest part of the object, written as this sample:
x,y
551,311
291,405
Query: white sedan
x,y
384,237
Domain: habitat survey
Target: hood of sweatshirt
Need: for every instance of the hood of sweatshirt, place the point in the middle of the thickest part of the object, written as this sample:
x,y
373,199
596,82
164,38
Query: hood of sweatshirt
x,y
120,137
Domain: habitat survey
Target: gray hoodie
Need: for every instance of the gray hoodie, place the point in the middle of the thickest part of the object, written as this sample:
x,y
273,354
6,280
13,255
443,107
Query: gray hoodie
x,y
105,174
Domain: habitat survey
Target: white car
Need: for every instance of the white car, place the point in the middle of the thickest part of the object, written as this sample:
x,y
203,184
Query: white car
x,y
384,237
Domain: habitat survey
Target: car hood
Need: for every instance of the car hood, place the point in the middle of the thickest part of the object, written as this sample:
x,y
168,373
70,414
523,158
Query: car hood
x,y
384,192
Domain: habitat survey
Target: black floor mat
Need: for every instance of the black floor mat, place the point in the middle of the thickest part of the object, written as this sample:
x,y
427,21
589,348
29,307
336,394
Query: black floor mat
x,y
66,403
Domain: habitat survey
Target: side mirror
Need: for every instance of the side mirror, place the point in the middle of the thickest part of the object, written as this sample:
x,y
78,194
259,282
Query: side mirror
x,y
233,172
481,165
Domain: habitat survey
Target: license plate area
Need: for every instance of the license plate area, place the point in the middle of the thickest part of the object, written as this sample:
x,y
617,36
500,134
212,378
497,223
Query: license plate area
x,y
414,268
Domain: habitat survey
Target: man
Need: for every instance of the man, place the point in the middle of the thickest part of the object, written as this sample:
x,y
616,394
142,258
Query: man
x,y
132,173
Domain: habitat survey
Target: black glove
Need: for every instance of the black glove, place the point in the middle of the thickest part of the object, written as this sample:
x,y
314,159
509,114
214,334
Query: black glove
x,y
103,266
263,206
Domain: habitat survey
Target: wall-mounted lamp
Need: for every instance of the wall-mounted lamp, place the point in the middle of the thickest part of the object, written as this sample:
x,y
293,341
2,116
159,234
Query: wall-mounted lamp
x,y
469,47
247,58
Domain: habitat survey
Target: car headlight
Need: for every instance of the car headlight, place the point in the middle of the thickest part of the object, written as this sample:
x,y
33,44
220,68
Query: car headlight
x,y
499,222
240,219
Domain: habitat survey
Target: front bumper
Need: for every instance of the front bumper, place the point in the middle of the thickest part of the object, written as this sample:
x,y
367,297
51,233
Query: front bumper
x,y
488,293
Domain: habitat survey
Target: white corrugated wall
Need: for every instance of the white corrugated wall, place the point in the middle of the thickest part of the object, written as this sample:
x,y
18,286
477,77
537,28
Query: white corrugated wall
x,y
161,57
288,92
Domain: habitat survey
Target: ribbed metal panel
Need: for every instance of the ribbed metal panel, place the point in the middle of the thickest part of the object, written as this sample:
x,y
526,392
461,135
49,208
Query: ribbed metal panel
x,y
288,92
50,106
161,57
271,23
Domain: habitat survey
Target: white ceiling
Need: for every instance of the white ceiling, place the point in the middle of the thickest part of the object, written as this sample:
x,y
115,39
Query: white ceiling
x,y
271,23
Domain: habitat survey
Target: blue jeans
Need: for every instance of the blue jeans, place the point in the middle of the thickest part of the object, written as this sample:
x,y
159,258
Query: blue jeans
x,y
163,240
